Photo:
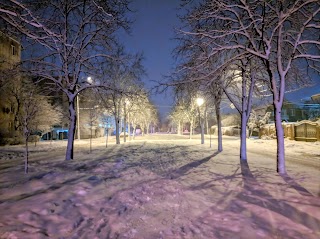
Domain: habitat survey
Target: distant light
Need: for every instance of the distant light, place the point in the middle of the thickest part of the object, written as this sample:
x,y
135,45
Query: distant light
x,y
200,101
89,79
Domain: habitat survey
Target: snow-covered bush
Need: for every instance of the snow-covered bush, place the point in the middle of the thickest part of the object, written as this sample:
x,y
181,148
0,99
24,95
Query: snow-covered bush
x,y
229,120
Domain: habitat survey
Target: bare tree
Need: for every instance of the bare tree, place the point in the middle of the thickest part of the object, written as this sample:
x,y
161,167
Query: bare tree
x,y
35,116
214,92
122,73
142,112
93,122
178,117
149,114
282,34
67,42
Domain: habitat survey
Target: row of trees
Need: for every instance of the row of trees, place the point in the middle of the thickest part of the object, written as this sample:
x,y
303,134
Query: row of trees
x,y
67,41
244,48
133,110
126,97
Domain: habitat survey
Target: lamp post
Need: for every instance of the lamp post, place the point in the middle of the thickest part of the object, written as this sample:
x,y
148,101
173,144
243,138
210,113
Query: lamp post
x,y
78,117
200,102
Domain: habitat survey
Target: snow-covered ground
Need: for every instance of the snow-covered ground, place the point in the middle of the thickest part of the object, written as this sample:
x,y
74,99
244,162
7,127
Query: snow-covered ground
x,y
160,186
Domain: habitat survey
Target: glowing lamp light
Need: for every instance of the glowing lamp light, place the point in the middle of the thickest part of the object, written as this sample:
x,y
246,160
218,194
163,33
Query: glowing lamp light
x,y
200,101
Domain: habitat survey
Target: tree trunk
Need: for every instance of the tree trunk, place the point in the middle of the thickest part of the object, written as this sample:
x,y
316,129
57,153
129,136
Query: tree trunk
x,y
202,131
148,128
217,106
26,159
129,131
251,132
124,124
207,124
243,137
201,121
91,137
134,132
107,138
117,121
72,130
191,126
281,166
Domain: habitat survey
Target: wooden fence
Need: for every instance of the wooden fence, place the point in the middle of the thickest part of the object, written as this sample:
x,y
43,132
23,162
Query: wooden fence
x,y
301,131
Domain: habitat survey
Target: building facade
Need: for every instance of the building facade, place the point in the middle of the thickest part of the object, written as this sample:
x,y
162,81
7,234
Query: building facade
x,y
10,56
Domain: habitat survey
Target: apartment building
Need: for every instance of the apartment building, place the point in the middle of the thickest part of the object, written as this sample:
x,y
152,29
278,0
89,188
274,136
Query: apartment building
x,y
10,56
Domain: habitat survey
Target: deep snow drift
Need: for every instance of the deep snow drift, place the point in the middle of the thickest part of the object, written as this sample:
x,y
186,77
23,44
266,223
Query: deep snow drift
x,y
160,186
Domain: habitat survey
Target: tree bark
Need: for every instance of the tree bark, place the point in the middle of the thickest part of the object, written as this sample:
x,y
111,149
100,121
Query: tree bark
x,y
91,136
202,132
243,137
107,138
72,129
117,121
26,160
148,129
129,130
217,106
281,166
124,123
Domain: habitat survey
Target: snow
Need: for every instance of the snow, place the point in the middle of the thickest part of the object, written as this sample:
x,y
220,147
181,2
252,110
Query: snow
x,y
160,186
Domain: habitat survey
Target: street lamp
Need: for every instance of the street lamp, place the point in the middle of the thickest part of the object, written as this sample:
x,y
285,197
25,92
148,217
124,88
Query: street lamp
x,y
200,102
89,79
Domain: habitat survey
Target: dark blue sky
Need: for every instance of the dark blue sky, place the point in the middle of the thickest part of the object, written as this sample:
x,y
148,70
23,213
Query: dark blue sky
x,y
152,33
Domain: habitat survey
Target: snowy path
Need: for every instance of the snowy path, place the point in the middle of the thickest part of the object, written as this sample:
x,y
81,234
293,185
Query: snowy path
x,y
162,186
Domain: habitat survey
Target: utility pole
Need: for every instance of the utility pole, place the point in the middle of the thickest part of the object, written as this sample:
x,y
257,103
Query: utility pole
x,y
78,117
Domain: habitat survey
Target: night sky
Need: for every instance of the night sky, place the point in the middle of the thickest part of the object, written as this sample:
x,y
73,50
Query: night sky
x,y
152,33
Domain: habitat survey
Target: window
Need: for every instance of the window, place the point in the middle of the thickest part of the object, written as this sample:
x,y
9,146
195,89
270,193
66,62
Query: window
x,y
284,112
292,112
13,50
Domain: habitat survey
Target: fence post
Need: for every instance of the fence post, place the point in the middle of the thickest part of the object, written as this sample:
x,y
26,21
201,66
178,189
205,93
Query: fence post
x,y
292,132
